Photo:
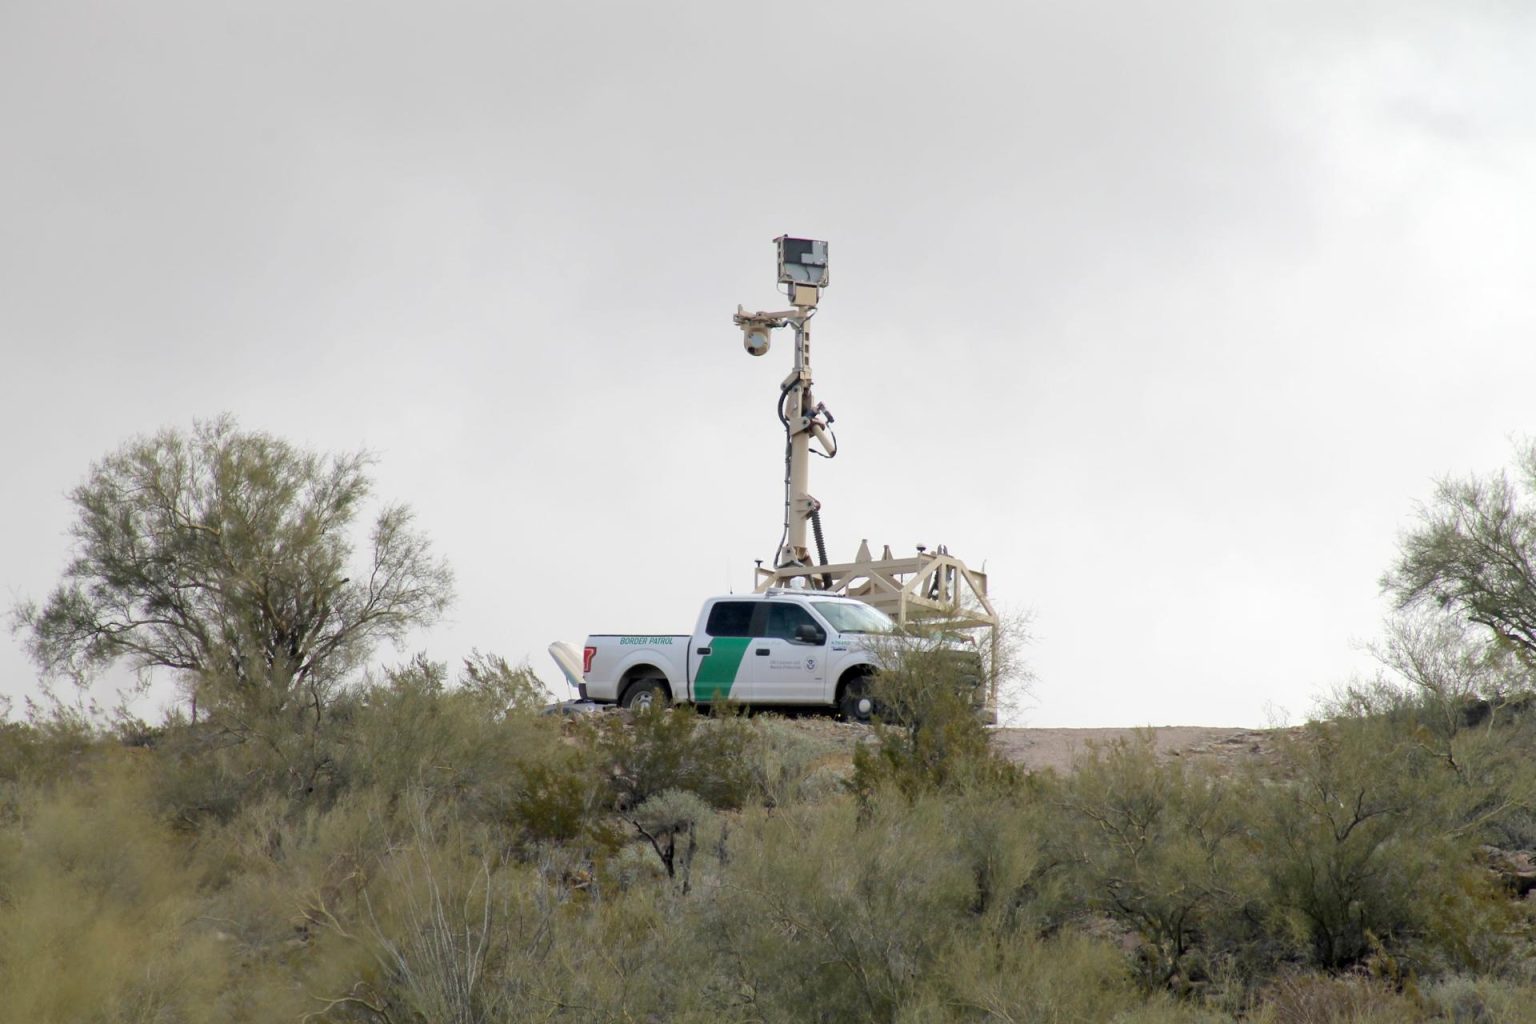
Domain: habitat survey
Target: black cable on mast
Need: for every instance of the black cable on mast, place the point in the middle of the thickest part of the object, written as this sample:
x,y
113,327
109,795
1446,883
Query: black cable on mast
x,y
821,546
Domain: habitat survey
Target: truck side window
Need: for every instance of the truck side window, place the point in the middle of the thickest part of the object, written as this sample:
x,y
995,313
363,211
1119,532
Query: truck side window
x,y
730,618
784,619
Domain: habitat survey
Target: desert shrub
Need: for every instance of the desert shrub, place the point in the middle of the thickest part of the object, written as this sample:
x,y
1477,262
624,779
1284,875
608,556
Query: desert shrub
x,y
287,886
1069,977
372,909
405,729
99,916
1365,854
405,732
999,841
499,688
447,929
821,919
1461,699
658,749
465,859
1480,1000
428,936
639,957
929,732
475,748
1299,998
669,822
791,764
50,749
560,799
209,768
411,730
204,776
1358,847
454,936
1162,1008
1165,852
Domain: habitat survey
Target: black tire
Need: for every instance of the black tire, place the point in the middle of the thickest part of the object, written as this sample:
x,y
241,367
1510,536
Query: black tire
x,y
854,704
644,694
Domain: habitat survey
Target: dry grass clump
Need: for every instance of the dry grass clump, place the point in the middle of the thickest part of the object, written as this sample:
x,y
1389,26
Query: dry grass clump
x,y
99,909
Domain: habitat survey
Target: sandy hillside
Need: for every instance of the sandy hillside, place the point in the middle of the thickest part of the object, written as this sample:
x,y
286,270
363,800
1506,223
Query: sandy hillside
x,y
1056,748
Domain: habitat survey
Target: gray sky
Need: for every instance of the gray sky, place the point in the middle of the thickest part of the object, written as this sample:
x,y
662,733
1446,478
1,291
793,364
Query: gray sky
x,y
1168,313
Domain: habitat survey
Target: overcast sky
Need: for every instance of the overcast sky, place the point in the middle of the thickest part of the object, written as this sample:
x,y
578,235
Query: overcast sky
x,y
1166,312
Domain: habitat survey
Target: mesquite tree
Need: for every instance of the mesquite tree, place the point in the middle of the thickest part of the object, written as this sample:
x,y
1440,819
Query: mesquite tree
x,y
1473,554
228,556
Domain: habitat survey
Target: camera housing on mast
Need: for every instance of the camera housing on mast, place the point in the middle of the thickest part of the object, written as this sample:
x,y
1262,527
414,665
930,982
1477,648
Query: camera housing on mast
x,y
755,338
803,268
756,330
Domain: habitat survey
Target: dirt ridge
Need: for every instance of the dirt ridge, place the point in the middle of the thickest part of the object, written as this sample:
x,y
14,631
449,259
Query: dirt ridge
x,y
1057,748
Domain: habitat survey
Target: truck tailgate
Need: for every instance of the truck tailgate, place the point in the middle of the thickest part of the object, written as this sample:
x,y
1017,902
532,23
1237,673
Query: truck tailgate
x,y
609,656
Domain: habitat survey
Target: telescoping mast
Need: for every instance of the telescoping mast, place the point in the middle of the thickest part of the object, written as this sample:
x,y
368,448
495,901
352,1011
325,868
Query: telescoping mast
x,y
933,589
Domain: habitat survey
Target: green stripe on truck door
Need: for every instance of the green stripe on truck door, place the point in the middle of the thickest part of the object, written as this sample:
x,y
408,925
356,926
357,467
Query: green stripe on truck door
x,y
717,672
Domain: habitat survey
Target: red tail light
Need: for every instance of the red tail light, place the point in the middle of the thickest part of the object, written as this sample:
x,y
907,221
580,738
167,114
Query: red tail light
x,y
587,654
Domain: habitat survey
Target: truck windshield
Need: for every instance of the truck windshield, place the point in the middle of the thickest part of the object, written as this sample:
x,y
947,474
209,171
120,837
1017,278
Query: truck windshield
x,y
852,617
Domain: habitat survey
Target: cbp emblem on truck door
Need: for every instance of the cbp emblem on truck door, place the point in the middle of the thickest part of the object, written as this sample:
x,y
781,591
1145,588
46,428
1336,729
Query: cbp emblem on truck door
x,y
810,664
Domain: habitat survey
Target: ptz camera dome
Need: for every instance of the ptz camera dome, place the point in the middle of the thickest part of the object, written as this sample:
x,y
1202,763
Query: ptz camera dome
x,y
755,341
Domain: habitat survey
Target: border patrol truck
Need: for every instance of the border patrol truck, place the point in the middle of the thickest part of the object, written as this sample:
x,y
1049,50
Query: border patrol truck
x,y
787,647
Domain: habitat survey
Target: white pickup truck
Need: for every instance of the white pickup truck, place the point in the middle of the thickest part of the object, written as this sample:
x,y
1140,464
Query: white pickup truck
x,y
790,647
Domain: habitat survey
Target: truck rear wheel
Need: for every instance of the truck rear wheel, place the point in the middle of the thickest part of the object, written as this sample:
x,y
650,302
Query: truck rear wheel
x,y
644,694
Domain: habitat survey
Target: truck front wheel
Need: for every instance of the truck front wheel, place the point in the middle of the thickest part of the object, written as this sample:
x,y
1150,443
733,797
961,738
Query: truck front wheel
x,y
644,694
854,702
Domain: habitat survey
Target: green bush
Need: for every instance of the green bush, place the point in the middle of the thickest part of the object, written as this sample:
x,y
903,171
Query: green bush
x,y
792,765
1481,999
408,729
669,822
561,799
817,915
1069,977
50,750
1319,999
1363,856
466,859
657,749
98,911
498,689
929,733
1165,852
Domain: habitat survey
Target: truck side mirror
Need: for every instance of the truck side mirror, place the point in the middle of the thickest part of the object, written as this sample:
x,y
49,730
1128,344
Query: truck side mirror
x,y
807,633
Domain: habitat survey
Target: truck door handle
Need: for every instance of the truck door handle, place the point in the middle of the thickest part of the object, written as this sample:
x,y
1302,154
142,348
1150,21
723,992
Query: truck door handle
x,y
702,650
762,650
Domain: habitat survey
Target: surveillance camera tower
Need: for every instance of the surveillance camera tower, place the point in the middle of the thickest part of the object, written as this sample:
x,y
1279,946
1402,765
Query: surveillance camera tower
x,y
803,269
934,588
